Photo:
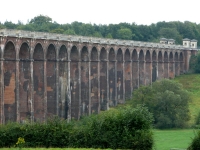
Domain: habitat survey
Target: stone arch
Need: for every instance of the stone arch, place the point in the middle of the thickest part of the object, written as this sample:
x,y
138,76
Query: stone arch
x,y
25,104
63,82
141,68
74,82
127,74
154,66
112,77
51,80
181,60
94,81
120,76
85,81
103,79
166,65
160,66
176,64
148,77
171,65
9,70
38,83
135,69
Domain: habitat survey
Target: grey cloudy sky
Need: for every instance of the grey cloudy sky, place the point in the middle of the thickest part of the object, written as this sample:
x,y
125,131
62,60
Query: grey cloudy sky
x,y
101,11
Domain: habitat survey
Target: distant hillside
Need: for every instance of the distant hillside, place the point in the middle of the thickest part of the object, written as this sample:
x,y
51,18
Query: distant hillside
x,y
172,30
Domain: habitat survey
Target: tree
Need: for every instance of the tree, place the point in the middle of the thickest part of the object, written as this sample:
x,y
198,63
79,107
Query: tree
x,y
124,33
40,20
195,63
168,102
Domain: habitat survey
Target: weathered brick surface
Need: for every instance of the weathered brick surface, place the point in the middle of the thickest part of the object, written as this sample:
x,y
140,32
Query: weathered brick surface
x,y
41,78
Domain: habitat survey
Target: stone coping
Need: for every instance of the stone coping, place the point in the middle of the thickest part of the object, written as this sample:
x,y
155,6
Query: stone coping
x,y
85,39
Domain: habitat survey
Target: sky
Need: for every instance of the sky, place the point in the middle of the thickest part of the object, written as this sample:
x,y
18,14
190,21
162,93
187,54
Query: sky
x,y
98,12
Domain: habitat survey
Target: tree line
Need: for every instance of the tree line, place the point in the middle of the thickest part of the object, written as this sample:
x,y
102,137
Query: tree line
x,y
127,31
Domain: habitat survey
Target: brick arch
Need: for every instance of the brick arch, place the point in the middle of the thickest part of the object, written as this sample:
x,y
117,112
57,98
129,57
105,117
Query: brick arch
x,y
63,82
94,54
127,74
9,52
134,55
120,74
135,69
148,75
181,60
94,81
111,55
74,81
38,83
176,61
154,66
74,54
85,81
141,68
103,79
160,65
166,62
171,65
9,71
25,105
112,76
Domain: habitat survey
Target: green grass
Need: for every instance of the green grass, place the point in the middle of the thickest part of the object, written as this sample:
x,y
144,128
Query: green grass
x,y
191,82
166,139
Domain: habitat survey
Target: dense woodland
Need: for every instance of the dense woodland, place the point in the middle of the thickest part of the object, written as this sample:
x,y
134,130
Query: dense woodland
x,y
152,33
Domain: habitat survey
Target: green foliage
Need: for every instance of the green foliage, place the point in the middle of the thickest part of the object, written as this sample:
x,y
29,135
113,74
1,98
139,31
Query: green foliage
x,y
195,144
151,33
124,34
124,128
195,63
168,102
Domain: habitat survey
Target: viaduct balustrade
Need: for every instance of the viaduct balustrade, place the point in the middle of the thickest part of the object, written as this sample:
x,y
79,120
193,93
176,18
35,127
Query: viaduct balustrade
x,y
43,74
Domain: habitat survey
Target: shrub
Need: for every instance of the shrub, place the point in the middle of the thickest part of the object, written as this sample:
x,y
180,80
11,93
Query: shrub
x,y
168,102
124,128
195,144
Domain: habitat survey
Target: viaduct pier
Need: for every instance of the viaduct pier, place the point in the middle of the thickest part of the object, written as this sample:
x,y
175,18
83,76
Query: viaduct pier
x,y
45,74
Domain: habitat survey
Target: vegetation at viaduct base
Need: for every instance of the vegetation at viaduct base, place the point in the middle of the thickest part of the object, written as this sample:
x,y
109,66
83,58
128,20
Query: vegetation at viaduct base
x,y
150,33
124,128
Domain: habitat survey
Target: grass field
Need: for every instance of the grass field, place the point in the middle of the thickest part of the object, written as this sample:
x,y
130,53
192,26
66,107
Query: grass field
x,y
167,139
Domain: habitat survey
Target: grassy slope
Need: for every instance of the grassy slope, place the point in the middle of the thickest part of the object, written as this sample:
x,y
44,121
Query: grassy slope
x,y
191,82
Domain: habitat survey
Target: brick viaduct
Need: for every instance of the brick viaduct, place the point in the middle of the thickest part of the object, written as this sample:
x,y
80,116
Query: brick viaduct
x,y
44,74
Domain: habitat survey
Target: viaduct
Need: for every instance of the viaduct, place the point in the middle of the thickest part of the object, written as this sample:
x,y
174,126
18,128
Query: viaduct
x,y
45,74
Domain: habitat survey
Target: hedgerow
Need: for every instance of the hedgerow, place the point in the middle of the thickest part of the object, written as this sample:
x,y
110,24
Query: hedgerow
x,y
124,128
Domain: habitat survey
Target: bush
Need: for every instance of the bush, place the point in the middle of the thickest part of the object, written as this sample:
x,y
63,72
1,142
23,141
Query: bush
x,y
195,144
124,128
168,102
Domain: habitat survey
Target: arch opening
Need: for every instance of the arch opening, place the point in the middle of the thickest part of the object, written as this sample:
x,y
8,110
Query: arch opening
x,y
85,82
103,79
63,82
74,82
38,83
119,76
25,104
94,81
135,69
112,78
9,71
